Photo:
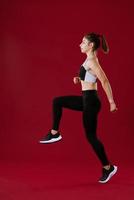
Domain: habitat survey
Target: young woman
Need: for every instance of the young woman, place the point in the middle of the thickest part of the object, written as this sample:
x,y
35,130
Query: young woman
x,y
89,102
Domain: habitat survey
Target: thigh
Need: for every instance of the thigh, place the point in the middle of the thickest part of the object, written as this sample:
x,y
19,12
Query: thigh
x,y
71,102
90,115
90,122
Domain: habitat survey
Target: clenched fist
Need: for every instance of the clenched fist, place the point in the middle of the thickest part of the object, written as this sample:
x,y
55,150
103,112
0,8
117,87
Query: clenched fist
x,y
113,107
76,80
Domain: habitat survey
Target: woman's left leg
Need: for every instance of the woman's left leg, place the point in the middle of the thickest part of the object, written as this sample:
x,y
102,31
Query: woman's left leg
x,y
92,105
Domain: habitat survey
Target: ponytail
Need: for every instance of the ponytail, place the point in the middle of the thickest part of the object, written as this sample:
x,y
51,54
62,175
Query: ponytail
x,y
97,40
104,44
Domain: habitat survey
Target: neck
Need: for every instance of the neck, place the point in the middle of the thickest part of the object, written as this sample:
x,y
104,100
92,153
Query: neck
x,y
91,54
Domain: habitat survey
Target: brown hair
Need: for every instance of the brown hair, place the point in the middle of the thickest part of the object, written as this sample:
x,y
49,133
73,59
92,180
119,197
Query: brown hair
x,y
97,40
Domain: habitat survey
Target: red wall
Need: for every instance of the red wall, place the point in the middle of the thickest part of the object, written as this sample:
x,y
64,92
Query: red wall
x,y
39,57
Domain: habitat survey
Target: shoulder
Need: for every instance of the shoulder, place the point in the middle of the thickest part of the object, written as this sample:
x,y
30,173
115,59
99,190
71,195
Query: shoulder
x,y
93,63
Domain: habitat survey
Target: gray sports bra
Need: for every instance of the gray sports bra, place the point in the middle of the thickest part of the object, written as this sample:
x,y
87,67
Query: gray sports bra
x,y
86,75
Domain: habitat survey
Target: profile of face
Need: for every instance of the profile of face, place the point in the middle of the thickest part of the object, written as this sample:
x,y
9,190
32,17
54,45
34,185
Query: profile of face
x,y
85,45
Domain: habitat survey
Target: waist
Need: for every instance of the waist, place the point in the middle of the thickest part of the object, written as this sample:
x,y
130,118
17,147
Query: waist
x,y
90,96
89,92
88,86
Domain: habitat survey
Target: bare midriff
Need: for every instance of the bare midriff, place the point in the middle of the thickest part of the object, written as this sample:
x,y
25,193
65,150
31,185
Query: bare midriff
x,y
88,86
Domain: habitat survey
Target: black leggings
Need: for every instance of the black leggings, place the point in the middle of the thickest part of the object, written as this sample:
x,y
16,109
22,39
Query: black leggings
x,y
90,105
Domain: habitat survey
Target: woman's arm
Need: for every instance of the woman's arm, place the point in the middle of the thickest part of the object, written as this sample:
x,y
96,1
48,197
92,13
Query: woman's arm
x,y
96,68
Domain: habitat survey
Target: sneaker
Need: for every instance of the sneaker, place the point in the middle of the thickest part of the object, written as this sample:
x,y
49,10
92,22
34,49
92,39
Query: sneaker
x,y
49,138
107,174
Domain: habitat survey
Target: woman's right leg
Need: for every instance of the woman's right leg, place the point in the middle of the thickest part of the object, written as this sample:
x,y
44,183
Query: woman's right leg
x,y
70,102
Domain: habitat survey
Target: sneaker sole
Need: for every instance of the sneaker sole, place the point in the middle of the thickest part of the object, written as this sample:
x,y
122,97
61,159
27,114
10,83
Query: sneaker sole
x,y
110,175
51,141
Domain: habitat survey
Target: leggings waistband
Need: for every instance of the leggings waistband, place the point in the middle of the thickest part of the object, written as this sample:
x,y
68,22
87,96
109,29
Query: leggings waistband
x,y
89,92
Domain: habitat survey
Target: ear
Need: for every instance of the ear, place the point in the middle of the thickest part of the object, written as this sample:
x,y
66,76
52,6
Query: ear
x,y
91,44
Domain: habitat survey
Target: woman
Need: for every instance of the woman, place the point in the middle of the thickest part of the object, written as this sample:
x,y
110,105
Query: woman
x,y
89,102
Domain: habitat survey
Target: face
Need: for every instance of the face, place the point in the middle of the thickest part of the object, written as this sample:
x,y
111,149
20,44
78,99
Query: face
x,y
85,45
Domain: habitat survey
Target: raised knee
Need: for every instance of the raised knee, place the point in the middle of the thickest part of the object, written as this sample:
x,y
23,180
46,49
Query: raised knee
x,y
56,100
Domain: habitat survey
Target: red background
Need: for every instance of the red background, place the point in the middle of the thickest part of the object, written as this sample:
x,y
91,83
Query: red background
x,y
40,55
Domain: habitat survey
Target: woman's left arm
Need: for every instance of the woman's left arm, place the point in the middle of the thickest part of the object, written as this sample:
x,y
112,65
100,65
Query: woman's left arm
x,y
96,68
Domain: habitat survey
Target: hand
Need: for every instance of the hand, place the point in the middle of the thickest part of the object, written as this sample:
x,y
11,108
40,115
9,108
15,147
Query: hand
x,y
76,80
113,107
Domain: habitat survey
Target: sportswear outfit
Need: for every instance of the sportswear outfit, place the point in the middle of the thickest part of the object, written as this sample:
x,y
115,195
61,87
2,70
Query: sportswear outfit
x,y
88,103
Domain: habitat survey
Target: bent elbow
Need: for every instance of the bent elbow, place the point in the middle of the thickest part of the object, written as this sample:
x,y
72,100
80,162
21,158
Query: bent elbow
x,y
104,82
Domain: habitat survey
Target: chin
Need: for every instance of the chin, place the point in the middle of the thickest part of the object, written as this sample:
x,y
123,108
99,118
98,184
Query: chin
x,y
82,51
